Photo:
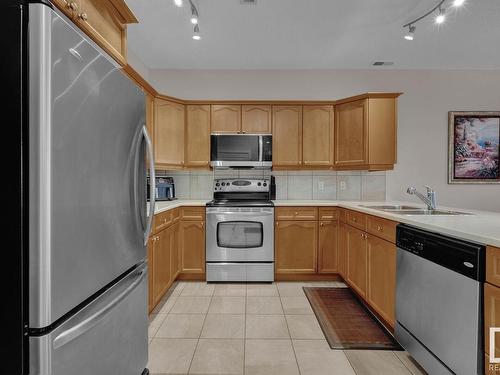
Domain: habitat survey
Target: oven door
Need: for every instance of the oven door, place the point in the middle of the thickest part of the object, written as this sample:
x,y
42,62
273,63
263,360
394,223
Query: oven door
x,y
240,234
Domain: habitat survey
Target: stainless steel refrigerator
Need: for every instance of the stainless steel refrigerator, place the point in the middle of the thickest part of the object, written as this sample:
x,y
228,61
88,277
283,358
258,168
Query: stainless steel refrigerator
x,y
79,269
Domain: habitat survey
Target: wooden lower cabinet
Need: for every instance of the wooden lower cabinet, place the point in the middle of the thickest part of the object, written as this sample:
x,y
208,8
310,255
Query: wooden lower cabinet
x,y
174,251
382,277
328,257
342,249
491,316
192,243
161,264
295,246
357,260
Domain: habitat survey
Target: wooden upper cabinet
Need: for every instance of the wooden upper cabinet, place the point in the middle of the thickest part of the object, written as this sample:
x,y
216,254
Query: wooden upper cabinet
x,y
105,21
381,292
226,118
198,136
365,133
295,246
169,134
256,119
287,136
357,260
350,134
317,135
328,257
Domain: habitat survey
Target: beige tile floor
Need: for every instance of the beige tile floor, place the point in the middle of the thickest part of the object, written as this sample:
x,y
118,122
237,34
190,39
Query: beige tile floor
x,y
254,329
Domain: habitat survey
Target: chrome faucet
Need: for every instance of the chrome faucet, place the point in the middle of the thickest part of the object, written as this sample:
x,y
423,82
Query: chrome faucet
x,y
429,200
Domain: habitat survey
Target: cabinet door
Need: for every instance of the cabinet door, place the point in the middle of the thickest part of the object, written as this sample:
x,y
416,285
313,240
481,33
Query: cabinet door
x,y
169,134
351,134
151,299
328,247
295,246
382,277
192,237
256,119
356,260
317,135
174,251
99,19
161,264
198,136
287,136
491,316
342,243
226,118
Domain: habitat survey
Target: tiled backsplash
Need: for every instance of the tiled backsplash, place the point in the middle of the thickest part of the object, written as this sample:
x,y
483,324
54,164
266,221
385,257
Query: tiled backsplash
x,y
306,185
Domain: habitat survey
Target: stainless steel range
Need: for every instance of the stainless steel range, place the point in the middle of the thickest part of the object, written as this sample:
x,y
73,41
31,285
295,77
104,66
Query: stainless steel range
x,y
240,231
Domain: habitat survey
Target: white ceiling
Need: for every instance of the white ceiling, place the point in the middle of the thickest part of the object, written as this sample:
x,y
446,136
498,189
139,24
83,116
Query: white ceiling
x,y
314,34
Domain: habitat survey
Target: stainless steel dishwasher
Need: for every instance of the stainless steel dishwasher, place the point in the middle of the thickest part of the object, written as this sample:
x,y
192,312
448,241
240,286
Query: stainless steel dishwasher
x,y
439,301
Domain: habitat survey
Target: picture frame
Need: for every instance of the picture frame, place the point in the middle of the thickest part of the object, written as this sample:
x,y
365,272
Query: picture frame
x,y
474,145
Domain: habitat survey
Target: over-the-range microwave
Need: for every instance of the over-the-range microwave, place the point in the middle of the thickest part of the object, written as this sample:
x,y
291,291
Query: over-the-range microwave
x,y
241,150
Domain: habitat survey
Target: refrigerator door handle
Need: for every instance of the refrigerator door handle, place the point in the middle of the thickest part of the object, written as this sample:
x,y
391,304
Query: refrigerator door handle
x,y
90,318
152,184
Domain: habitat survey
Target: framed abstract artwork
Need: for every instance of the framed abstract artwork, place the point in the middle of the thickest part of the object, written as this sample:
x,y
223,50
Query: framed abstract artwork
x,y
474,142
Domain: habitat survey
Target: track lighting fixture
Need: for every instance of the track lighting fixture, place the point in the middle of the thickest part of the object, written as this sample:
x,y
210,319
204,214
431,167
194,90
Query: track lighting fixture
x,y
194,15
440,17
178,3
411,33
196,35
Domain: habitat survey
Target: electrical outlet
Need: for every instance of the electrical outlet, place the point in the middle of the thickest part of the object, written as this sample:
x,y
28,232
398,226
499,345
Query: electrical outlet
x,y
321,185
343,185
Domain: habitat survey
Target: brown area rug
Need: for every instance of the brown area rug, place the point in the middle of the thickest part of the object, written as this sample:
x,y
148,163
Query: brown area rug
x,y
346,322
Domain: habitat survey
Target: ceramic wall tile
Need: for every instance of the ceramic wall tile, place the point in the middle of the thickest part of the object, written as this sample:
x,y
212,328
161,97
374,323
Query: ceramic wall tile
x,y
201,186
281,187
348,187
324,172
182,186
348,173
324,187
300,186
373,187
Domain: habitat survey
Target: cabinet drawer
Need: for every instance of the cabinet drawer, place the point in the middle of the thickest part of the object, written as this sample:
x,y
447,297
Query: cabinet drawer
x,y
296,213
162,221
356,219
382,228
193,213
176,215
328,213
493,265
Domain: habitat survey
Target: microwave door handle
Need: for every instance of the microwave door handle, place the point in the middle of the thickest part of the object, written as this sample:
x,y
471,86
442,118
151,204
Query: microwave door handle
x,y
152,184
261,146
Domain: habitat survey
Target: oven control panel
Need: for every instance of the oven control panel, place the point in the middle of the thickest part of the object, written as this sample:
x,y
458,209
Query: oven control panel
x,y
228,185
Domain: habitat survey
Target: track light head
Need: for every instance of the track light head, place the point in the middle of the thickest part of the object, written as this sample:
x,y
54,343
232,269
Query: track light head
x,y
410,35
441,17
194,15
196,35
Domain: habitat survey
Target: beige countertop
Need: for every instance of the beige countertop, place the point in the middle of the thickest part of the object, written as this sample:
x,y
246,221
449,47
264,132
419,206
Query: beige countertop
x,y
482,226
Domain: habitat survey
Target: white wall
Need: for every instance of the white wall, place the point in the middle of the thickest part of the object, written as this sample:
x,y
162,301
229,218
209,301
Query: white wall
x,y
423,113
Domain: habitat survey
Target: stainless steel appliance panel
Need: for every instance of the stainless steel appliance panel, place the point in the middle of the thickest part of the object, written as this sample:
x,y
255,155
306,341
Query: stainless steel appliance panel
x,y
440,308
106,337
87,174
240,234
245,272
237,150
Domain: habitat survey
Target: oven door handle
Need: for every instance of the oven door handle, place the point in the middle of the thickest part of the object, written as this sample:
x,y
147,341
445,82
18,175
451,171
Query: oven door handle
x,y
245,214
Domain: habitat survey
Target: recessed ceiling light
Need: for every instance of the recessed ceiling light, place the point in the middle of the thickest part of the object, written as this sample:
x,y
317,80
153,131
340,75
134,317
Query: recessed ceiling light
x,y
178,3
441,17
458,3
196,35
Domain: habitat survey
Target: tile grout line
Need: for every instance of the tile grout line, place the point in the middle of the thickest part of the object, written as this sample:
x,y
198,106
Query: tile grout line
x,y
350,363
289,333
199,336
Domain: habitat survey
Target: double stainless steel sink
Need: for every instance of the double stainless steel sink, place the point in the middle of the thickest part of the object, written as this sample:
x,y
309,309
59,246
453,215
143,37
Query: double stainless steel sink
x,y
413,210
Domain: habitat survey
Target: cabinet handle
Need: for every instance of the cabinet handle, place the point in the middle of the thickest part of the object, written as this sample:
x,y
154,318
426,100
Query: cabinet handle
x,y
244,132
277,224
354,220
83,16
202,223
379,228
72,5
296,213
321,224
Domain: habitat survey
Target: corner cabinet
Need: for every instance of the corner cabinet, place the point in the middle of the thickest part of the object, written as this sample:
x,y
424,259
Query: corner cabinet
x,y
104,21
198,136
365,133
169,131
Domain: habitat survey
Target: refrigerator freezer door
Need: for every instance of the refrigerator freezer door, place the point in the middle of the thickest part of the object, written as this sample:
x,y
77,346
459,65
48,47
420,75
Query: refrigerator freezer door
x,y
87,169
106,337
